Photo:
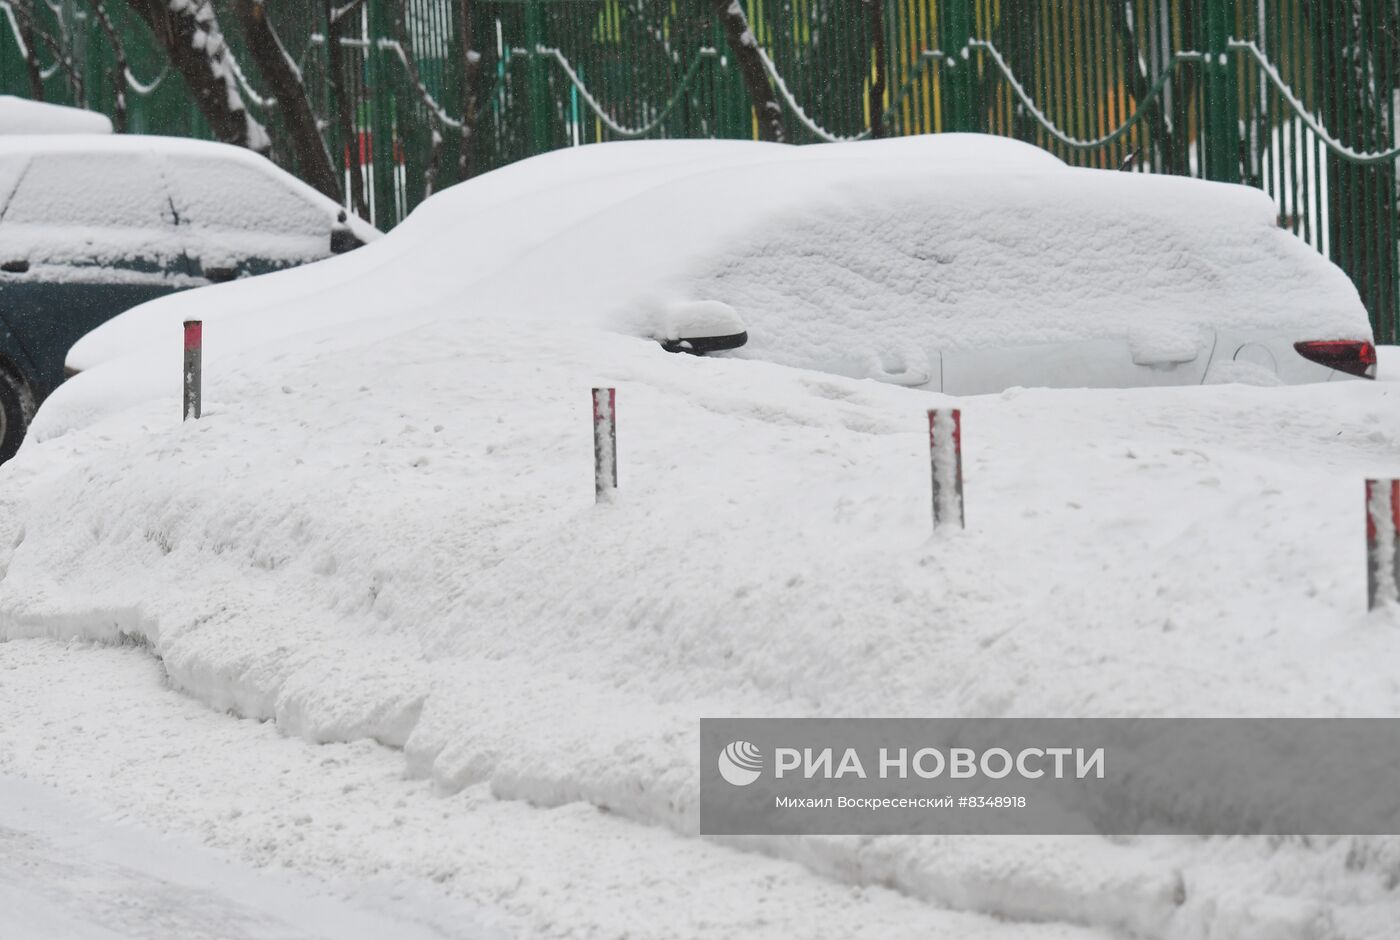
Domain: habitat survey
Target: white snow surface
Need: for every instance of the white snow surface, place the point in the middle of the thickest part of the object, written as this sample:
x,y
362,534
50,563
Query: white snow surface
x,y
392,537
68,870
382,538
23,116
838,257
465,865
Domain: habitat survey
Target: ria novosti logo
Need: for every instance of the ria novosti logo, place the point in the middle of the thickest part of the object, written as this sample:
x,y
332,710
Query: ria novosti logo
x,y
740,763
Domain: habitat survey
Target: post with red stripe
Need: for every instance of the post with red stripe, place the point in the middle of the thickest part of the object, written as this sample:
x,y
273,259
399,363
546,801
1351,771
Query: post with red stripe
x,y
605,443
945,461
194,367
1382,527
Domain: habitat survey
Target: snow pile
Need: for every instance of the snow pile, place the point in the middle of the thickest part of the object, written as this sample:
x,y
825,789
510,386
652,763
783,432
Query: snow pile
x,y
384,529
22,116
394,537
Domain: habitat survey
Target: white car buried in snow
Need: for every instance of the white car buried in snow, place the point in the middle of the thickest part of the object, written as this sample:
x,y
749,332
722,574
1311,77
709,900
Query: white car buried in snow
x,y
960,263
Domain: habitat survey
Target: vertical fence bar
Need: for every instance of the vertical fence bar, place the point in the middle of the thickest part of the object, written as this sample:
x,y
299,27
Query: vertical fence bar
x,y
537,86
604,443
1220,118
382,149
958,75
945,465
194,369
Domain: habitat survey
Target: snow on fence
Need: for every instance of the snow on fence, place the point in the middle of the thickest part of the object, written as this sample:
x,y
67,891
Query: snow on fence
x,y
945,462
194,368
605,443
1382,526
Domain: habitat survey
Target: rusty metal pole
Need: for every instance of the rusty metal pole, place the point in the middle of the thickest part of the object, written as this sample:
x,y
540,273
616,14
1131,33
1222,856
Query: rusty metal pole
x,y
194,368
605,443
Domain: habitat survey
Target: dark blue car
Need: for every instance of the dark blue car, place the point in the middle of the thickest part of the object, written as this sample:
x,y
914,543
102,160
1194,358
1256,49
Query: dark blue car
x,y
92,226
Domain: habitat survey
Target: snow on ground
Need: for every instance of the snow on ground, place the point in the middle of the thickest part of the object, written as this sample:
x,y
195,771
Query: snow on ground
x,y
65,871
464,865
397,541
382,538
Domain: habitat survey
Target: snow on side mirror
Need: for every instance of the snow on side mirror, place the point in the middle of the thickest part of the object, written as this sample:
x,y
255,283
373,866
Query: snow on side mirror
x,y
702,326
342,238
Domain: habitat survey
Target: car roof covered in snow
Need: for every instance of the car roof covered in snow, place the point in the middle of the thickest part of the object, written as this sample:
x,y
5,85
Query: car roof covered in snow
x,y
81,168
121,143
22,116
99,146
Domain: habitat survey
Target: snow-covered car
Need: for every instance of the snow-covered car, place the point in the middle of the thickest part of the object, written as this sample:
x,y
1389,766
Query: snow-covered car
x,y
23,116
91,226
955,263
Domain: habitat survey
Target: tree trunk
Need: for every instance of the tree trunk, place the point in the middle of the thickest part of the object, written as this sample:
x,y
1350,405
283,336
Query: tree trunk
x,y
876,10
471,77
1169,134
24,14
750,61
192,39
118,76
283,77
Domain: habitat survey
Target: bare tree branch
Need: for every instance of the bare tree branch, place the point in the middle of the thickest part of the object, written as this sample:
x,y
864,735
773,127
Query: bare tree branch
x,y
471,78
284,78
24,15
189,32
60,47
744,46
336,14
1170,151
64,59
119,68
876,11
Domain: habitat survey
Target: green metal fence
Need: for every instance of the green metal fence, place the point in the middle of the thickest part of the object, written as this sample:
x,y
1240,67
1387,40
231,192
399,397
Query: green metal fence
x,y
1297,97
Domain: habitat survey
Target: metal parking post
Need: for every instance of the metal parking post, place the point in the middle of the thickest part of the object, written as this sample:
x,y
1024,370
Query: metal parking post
x,y
945,463
605,443
194,367
1382,528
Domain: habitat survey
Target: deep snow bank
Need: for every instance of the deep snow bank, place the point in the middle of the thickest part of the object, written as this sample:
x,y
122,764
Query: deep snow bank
x,y
392,535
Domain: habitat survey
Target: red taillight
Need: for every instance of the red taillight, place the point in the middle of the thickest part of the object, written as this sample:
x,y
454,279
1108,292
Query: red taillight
x,y
1352,356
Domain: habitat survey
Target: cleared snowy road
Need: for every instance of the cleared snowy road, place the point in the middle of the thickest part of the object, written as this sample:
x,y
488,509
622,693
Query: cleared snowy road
x,y
65,872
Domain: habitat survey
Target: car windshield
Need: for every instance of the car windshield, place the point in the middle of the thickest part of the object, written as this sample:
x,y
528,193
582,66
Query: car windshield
x,y
113,190
117,201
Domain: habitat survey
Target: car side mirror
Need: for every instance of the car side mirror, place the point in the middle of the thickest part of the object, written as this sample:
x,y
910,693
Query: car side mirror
x,y
342,238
